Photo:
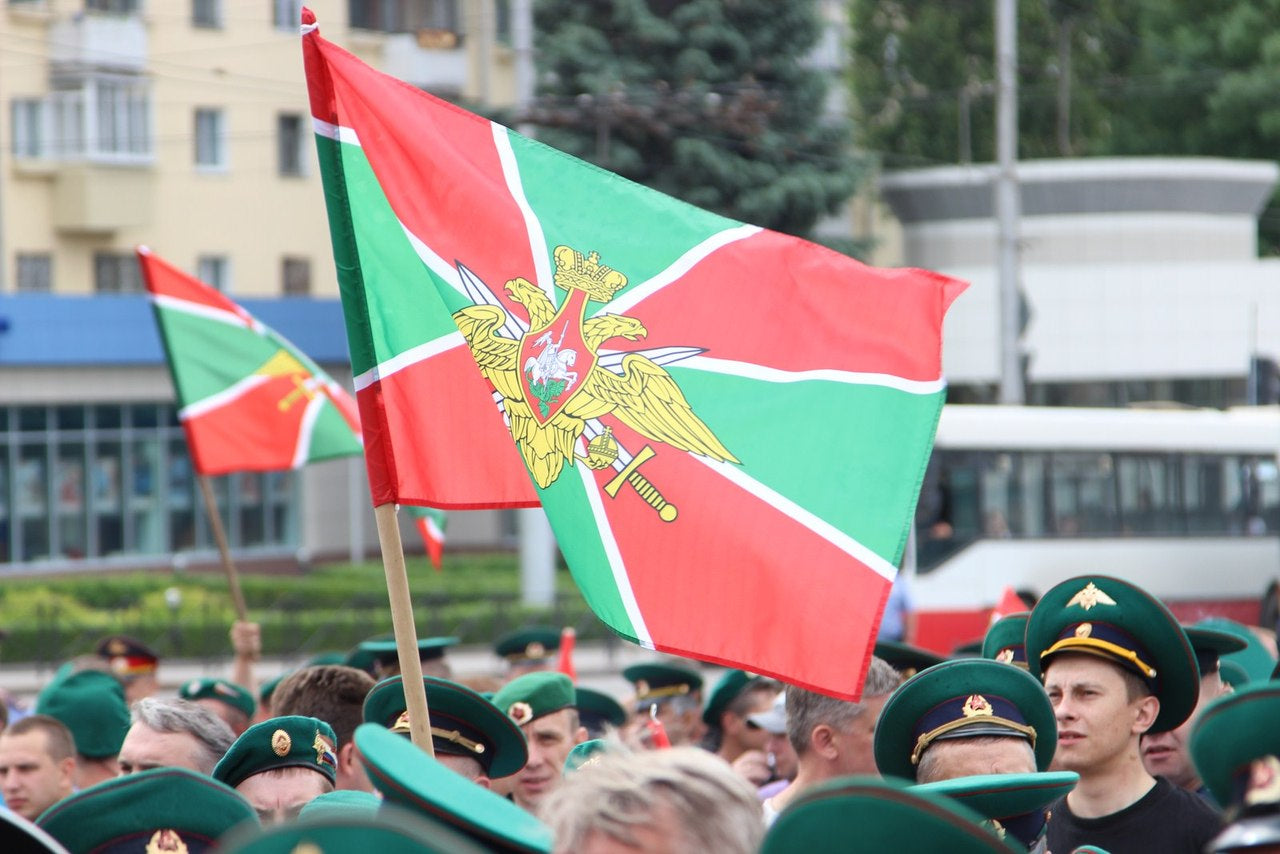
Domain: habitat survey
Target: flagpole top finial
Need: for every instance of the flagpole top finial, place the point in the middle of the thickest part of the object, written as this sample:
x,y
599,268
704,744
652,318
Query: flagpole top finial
x,y
308,17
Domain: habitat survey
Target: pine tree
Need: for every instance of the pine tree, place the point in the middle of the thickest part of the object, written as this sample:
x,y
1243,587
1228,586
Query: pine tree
x,y
711,101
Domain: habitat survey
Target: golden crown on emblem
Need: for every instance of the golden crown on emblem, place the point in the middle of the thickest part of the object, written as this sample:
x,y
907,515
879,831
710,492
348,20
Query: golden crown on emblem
x,y
586,273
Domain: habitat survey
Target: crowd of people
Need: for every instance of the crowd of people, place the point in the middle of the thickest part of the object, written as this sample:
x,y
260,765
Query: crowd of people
x,y
1093,722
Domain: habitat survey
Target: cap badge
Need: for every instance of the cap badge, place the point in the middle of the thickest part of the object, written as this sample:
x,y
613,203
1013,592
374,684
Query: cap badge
x,y
166,842
996,827
281,744
306,848
1084,630
1089,597
520,712
224,689
535,650
642,688
1264,782
976,706
1005,656
402,723
117,647
192,687
324,751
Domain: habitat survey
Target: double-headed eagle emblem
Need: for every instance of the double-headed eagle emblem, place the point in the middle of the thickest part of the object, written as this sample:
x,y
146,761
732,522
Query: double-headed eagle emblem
x,y
555,383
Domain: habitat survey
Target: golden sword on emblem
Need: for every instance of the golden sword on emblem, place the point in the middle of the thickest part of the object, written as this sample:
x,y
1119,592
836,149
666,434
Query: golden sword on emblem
x,y
603,450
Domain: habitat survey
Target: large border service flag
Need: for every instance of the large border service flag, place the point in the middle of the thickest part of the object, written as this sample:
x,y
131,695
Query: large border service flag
x,y
726,426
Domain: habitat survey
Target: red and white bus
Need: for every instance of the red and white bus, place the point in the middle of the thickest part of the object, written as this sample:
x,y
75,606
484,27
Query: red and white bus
x,y
1184,502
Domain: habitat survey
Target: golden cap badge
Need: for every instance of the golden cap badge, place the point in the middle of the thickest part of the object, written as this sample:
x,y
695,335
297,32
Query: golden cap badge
x,y
976,706
1263,786
520,712
1084,630
166,842
535,650
1005,656
117,647
281,744
402,723
1090,596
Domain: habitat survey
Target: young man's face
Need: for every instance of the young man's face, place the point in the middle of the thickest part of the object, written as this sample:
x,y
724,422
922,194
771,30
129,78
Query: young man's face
x,y
1097,723
1165,754
31,780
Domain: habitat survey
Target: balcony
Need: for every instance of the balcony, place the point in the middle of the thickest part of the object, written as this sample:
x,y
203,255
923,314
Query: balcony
x,y
429,60
89,40
101,199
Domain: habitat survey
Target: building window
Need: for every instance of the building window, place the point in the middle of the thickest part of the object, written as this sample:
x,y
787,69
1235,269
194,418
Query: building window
x,y
403,16
210,134
116,273
35,272
114,7
214,271
98,117
27,121
206,13
286,14
289,142
296,274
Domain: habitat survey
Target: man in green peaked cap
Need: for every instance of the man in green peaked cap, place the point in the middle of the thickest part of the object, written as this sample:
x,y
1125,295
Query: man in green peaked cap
x,y
1005,641
543,704
379,657
229,701
1236,748
162,810
1165,754
673,695
736,696
1015,806
597,711
410,779
963,717
1116,664
281,764
469,734
528,649
91,704
906,658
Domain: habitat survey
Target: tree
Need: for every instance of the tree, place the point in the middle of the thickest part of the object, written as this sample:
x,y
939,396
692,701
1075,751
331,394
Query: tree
x,y
923,77
711,101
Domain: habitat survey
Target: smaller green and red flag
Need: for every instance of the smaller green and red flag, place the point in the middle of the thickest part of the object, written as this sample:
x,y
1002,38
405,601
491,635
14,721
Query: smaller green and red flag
x,y
431,524
248,399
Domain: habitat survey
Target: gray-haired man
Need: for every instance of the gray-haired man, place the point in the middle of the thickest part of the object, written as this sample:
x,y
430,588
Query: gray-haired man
x,y
173,733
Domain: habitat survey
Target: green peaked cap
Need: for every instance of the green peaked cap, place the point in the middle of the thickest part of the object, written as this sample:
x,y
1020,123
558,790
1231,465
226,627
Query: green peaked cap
x,y
957,699
409,778
1110,618
1254,657
387,831
1005,641
531,643
1231,733
91,704
595,709
233,695
533,695
586,753
657,681
462,723
726,690
292,741
125,813
906,658
882,815
348,803
1016,802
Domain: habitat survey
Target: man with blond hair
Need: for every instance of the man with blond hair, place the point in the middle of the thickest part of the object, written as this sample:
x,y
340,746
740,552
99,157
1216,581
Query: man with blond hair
x,y
37,764
679,800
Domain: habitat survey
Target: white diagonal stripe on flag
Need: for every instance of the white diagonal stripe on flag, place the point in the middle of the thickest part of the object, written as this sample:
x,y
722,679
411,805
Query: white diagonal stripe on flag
x,y
228,395
309,417
537,242
776,375
412,356
678,268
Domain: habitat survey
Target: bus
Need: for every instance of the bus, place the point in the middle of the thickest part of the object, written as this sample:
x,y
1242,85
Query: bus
x,y
1183,502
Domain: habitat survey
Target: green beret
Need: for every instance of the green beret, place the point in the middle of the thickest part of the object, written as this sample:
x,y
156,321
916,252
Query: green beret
x,y
882,815
293,741
343,802
1005,641
532,643
533,695
323,659
228,693
1256,660
727,689
1232,734
596,709
1014,803
462,723
127,656
92,705
387,832
1117,621
407,777
905,658
269,687
23,837
147,808
957,699
656,682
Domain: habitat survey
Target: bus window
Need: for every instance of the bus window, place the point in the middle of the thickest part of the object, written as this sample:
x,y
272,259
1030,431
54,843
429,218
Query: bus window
x,y
1083,493
1148,495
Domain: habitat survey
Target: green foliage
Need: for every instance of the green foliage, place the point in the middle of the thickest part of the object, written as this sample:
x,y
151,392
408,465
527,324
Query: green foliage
x,y
475,597
708,101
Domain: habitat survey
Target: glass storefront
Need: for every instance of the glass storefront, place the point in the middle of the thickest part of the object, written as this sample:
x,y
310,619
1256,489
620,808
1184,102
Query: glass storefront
x,y
111,481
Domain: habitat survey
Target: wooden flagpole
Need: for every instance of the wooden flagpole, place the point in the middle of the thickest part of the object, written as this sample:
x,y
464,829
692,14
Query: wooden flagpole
x,y
220,537
415,692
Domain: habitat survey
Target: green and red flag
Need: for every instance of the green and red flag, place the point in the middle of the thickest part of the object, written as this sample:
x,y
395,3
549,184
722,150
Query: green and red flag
x,y
431,524
726,426
248,399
